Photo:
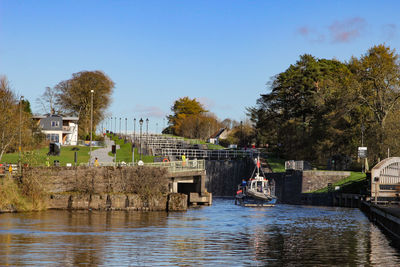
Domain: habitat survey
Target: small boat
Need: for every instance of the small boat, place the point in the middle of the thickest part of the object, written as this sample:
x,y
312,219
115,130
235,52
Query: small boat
x,y
258,191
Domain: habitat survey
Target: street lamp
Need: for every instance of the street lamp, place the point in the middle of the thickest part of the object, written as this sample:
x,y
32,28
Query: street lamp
x,y
126,128
119,132
91,125
20,132
115,124
134,129
241,134
147,128
140,123
147,133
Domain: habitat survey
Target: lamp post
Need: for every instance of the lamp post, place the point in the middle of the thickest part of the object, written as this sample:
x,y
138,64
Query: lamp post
x,y
126,128
147,133
140,123
119,132
114,128
134,129
362,144
147,129
156,127
20,132
241,133
91,125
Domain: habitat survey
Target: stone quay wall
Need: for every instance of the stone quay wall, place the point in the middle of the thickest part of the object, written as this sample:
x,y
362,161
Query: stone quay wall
x,y
106,188
290,186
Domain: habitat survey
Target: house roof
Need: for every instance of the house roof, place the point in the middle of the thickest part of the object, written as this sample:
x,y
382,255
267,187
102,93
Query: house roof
x,y
63,118
217,133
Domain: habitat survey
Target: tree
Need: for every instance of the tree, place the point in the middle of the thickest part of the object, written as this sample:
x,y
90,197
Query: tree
x,y
378,74
182,109
308,111
48,101
200,126
74,97
11,124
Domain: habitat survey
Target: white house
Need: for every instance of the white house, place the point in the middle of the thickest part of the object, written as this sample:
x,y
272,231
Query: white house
x,y
58,129
221,133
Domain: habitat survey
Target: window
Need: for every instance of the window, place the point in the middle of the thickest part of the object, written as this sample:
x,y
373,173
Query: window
x,y
55,124
54,138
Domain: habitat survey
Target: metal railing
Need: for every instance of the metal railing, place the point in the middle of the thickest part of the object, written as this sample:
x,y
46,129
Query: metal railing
x,y
5,169
297,165
94,143
172,166
206,153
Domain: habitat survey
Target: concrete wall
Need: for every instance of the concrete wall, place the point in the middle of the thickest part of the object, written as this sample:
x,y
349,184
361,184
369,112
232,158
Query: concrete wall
x,y
314,180
290,186
223,176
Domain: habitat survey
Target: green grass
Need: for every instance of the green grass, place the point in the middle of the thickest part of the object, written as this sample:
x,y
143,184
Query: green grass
x,y
276,164
213,146
198,141
351,184
38,157
125,152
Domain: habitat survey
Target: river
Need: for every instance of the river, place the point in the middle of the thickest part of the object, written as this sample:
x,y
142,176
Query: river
x,y
219,235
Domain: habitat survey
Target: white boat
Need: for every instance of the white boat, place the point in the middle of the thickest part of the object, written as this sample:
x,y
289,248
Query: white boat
x,y
258,191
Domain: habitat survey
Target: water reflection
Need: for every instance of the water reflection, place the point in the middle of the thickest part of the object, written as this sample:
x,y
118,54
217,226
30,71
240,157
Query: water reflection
x,y
223,234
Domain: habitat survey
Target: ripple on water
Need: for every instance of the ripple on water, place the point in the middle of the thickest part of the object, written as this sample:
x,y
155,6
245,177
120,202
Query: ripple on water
x,y
223,234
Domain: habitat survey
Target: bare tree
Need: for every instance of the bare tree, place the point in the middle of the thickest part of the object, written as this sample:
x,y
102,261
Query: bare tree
x,y
47,101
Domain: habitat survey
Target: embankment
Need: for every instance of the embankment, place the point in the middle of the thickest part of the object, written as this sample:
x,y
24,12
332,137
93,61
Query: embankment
x,y
101,188
291,187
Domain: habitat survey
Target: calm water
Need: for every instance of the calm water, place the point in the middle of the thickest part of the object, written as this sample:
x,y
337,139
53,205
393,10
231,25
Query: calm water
x,y
223,234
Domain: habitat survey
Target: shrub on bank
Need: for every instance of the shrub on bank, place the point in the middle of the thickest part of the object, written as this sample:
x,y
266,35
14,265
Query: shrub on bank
x,y
22,195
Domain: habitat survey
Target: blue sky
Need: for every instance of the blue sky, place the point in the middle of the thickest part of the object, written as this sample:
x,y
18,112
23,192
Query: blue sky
x,y
221,52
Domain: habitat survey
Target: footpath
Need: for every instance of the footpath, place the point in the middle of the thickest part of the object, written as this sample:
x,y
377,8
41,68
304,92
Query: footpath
x,y
102,153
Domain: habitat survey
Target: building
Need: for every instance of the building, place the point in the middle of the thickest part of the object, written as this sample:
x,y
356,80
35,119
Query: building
x,y
221,133
58,129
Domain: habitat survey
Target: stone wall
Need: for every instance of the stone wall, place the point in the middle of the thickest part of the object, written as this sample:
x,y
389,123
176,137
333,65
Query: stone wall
x,y
106,188
314,180
290,185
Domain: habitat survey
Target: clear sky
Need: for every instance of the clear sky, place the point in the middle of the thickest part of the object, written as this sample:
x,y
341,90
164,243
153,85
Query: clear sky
x,y
221,52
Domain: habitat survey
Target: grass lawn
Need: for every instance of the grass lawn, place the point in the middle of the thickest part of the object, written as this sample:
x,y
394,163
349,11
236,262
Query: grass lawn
x,y
276,164
125,152
349,184
38,157
198,141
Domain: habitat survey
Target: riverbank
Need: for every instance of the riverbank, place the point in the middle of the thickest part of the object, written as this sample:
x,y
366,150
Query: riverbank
x,y
387,217
100,188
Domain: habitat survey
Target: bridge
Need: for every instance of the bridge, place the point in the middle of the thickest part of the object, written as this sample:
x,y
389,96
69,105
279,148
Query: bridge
x,y
385,181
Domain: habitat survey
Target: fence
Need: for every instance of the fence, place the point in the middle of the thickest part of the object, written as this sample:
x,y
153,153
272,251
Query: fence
x,y
172,166
206,154
5,168
297,165
94,143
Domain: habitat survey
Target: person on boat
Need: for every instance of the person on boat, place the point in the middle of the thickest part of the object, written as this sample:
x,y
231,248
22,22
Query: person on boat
x,y
244,183
259,188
